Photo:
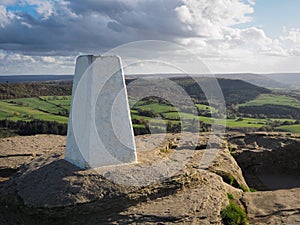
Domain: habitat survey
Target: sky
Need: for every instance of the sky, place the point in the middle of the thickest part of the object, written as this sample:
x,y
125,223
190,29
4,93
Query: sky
x,y
228,36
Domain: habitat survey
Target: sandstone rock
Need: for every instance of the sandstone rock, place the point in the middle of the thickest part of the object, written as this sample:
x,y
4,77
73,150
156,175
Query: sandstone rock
x,y
164,187
15,151
271,160
237,140
225,165
273,207
199,205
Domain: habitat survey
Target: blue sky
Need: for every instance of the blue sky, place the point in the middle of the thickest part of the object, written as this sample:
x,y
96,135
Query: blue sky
x,y
45,36
30,9
273,15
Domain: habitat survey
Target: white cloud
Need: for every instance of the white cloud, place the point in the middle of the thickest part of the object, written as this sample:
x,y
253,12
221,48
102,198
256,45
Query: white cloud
x,y
48,59
291,37
8,2
2,55
184,14
45,8
5,16
207,18
15,63
251,2
109,23
295,52
208,27
19,58
274,51
287,45
255,35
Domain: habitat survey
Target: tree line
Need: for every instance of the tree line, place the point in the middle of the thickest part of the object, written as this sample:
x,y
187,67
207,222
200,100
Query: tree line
x,y
35,89
32,127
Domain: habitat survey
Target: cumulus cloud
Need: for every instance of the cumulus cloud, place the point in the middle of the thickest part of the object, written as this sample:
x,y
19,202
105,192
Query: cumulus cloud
x,y
15,63
291,42
48,59
208,18
63,28
254,34
44,8
291,37
5,17
251,2
295,52
73,26
2,55
8,2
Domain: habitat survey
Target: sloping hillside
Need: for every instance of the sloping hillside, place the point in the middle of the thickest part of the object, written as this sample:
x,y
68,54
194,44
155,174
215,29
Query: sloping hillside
x,y
234,91
34,89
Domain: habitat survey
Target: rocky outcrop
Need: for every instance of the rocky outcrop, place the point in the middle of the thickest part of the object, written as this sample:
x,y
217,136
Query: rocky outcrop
x,y
169,185
225,166
166,186
51,189
269,161
273,207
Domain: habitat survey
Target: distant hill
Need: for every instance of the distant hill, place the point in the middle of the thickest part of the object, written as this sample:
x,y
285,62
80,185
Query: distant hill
x,y
286,78
234,91
261,80
275,80
34,78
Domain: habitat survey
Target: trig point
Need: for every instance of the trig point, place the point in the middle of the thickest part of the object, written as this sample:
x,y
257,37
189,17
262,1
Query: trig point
x,y
100,131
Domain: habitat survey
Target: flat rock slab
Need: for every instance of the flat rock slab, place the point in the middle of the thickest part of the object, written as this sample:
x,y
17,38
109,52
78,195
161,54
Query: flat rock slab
x,y
49,190
49,181
166,186
273,207
15,151
198,205
60,190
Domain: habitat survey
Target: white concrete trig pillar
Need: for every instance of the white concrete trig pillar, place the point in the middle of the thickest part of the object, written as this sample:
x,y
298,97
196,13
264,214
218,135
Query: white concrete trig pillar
x,y
100,132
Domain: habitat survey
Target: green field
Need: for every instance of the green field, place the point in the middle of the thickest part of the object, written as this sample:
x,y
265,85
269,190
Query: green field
x,y
269,99
55,108
205,108
181,115
38,104
156,107
31,108
289,128
63,101
136,116
234,123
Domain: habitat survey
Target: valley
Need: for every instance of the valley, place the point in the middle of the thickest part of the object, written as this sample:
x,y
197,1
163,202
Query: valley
x,y
248,108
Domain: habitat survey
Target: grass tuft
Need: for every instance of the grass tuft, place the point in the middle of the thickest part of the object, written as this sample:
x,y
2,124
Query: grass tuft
x,y
233,215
